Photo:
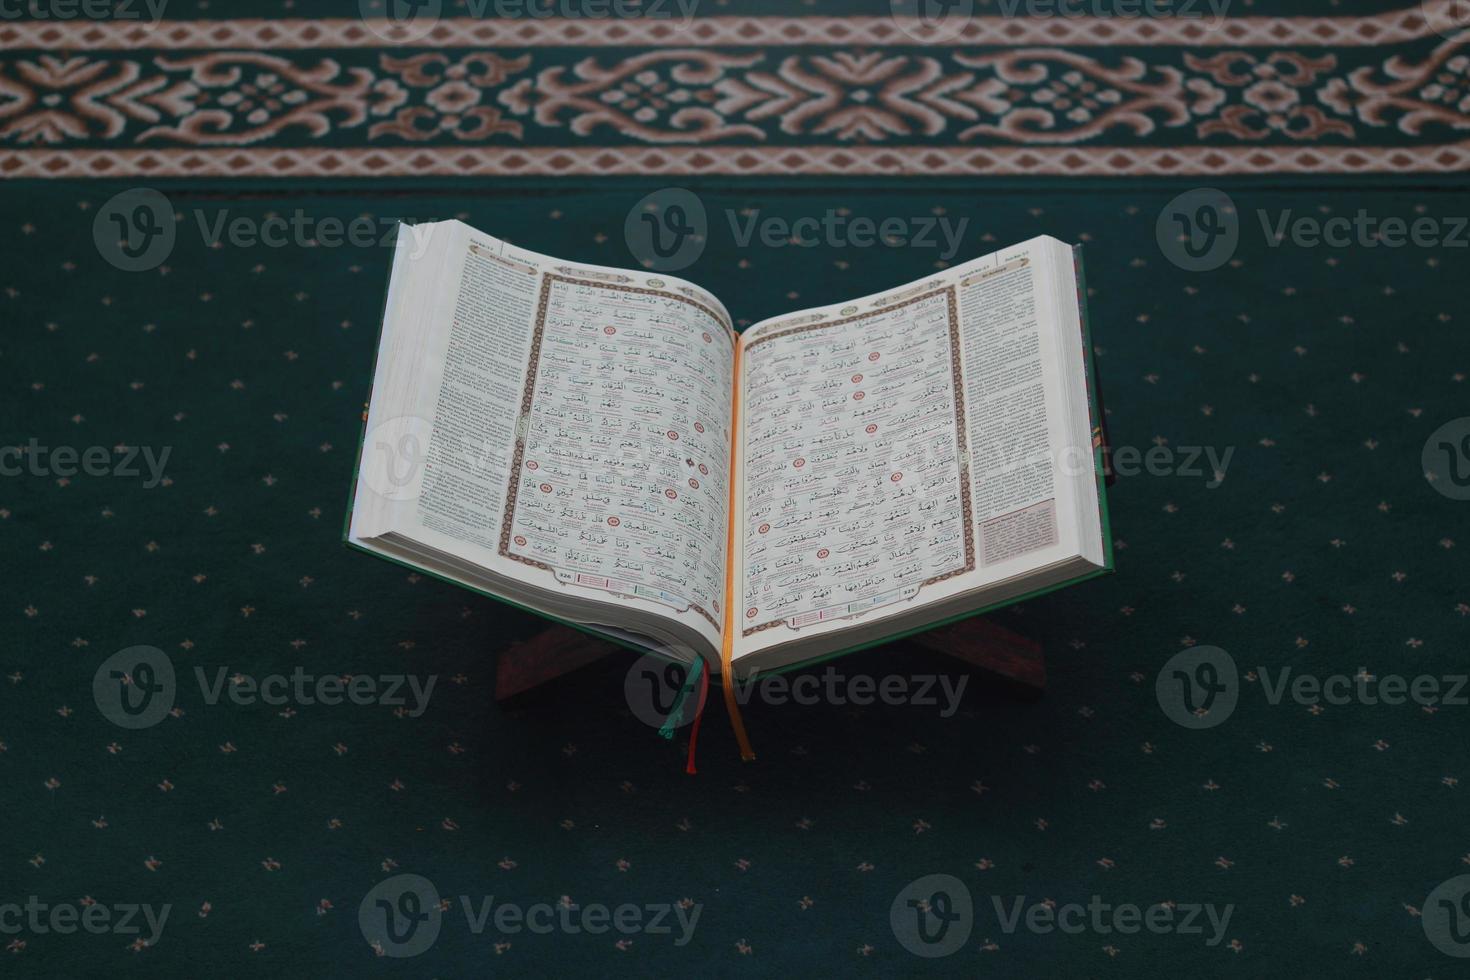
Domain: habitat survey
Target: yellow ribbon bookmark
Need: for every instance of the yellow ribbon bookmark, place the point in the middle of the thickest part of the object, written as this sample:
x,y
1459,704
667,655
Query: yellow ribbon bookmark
x,y
727,678
736,722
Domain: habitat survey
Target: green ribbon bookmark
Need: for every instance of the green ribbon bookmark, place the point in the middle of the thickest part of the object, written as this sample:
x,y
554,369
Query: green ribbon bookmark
x,y
677,715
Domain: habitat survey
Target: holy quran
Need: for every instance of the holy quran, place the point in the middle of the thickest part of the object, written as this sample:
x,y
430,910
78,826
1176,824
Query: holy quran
x,y
602,447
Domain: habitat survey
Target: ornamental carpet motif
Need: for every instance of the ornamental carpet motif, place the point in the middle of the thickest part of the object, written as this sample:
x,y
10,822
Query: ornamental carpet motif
x,y
1384,92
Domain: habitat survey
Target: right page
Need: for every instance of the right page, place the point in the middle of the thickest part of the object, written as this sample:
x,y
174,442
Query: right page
x,y
911,454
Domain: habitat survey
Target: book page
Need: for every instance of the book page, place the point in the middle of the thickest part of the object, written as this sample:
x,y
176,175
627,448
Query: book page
x,y
899,450
578,434
856,488
1010,436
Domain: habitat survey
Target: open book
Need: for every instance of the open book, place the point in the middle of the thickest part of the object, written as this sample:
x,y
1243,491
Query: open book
x,y
600,446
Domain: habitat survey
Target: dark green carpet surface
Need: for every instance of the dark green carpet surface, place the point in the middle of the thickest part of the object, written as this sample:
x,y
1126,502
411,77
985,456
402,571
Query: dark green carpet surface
x,y
1324,370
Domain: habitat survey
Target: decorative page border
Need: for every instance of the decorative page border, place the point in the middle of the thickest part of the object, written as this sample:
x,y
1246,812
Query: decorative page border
x,y
737,96
961,436
523,418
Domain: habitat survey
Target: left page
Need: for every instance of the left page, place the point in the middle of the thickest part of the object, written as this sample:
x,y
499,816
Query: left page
x,y
570,432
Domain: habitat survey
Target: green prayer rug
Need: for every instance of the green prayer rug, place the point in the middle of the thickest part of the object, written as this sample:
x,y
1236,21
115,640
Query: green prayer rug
x,y
177,441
